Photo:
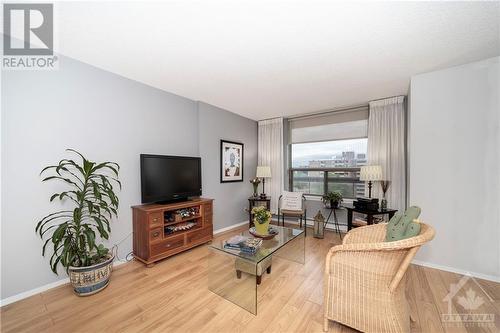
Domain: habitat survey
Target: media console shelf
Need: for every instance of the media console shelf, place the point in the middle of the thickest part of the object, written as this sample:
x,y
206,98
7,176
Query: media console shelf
x,y
161,231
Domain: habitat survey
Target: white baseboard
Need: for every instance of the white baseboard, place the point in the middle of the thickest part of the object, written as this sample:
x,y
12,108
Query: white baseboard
x,y
61,282
41,289
457,271
231,227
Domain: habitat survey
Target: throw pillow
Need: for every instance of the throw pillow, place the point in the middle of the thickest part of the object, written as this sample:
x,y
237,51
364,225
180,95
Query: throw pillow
x,y
291,200
402,226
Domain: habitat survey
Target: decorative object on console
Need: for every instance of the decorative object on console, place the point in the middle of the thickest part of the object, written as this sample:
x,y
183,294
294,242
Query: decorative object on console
x,y
370,173
385,186
366,203
333,198
255,183
319,225
73,231
262,217
181,227
263,172
231,161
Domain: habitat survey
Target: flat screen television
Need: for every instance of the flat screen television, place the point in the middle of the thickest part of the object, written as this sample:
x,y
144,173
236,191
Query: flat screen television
x,y
169,178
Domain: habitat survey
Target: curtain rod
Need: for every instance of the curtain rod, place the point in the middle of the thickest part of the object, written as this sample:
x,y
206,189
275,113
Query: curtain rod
x,y
342,109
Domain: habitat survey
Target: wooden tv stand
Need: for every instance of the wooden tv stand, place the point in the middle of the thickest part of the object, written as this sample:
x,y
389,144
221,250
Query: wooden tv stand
x,y
156,228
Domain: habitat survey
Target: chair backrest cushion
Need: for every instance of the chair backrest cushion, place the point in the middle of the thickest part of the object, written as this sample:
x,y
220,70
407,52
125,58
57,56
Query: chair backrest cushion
x,y
291,200
402,226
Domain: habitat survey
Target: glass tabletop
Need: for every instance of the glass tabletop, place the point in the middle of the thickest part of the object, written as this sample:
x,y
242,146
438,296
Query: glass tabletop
x,y
268,247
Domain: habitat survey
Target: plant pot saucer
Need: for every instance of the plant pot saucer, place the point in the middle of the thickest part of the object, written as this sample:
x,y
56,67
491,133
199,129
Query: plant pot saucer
x,y
271,233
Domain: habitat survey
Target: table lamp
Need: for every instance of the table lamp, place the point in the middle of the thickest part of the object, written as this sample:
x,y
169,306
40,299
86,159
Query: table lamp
x,y
263,172
370,173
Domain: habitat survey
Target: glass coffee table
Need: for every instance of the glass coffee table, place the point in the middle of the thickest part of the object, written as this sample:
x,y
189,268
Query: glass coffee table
x,y
235,276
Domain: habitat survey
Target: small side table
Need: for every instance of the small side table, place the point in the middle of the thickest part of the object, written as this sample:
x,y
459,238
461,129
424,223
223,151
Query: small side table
x,y
255,202
369,214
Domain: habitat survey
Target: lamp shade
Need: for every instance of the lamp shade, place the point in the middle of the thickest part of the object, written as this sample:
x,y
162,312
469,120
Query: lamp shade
x,y
370,173
263,172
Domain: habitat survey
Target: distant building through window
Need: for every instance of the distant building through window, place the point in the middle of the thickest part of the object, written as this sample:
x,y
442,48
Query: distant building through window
x,y
322,167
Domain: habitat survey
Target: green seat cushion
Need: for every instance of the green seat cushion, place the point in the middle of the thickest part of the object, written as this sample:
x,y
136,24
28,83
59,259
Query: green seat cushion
x,y
401,226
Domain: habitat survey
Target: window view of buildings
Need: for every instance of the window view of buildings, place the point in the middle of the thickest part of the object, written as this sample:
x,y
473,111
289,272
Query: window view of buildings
x,y
335,167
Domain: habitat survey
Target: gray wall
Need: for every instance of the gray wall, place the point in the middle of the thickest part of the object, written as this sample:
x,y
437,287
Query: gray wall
x,y
106,117
231,198
454,173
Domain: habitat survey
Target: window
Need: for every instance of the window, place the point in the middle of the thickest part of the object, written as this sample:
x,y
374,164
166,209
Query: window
x,y
327,152
322,167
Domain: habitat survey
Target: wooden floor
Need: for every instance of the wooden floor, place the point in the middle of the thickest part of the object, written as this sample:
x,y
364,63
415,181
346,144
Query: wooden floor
x,y
173,297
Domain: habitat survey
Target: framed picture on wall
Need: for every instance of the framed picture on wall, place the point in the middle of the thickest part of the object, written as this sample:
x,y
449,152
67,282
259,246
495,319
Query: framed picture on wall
x,y
231,161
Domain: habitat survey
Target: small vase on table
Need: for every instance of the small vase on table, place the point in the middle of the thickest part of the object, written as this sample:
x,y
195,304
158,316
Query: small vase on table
x,y
383,202
255,183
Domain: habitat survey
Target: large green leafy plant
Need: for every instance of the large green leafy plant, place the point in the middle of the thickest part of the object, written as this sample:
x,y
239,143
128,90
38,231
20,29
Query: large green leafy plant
x,y
73,233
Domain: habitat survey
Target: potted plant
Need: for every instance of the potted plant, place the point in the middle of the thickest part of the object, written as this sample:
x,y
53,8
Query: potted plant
x,y
333,198
73,232
261,219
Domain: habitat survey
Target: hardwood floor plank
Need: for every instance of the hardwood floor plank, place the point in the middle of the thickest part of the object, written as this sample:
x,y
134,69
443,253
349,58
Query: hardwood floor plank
x,y
173,296
439,291
479,290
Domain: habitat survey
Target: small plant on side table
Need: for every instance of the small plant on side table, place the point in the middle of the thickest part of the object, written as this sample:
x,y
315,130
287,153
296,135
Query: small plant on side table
x,y
333,198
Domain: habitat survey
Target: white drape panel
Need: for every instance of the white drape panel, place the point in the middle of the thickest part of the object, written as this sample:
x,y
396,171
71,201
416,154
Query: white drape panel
x,y
271,153
386,147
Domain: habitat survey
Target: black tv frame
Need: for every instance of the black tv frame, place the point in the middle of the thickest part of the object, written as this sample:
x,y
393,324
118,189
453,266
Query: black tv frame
x,y
176,197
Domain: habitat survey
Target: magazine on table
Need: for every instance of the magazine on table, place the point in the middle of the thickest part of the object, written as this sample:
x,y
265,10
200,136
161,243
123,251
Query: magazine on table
x,y
244,244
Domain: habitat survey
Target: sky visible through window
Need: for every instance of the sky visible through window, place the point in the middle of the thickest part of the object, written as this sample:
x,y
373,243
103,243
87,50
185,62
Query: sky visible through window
x,y
303,154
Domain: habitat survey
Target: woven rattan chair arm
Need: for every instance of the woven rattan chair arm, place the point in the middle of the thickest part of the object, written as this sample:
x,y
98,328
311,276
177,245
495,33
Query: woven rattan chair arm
x,y
368,234
381,246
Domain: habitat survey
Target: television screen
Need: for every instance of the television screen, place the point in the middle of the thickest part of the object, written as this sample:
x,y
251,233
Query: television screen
x,y
166,178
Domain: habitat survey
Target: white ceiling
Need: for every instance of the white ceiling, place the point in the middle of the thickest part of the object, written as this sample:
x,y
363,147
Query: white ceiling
x,y
263,59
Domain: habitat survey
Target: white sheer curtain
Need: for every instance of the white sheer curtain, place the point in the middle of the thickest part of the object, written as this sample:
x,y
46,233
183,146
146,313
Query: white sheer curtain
x,y
270,153
386,147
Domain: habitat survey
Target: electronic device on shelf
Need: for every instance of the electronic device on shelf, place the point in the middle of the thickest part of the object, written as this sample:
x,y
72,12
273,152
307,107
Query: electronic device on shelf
x,y
366,203
169,178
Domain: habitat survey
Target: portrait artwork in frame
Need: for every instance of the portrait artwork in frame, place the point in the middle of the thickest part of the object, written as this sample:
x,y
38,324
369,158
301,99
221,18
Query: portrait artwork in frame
x,y
231,160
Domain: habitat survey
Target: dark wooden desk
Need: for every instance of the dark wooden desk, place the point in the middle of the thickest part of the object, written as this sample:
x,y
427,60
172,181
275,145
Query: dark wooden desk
x,y
254,202
369,214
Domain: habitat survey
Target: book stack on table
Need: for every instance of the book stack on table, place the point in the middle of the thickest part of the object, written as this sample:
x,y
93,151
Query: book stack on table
x,y
247,245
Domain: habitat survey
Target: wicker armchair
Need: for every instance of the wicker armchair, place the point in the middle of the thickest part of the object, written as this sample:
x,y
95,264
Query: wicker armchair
x,y
363,283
